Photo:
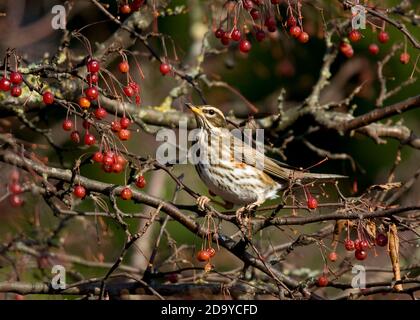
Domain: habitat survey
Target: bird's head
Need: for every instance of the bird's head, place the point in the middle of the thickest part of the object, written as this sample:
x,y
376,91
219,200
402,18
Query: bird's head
x,y
208,117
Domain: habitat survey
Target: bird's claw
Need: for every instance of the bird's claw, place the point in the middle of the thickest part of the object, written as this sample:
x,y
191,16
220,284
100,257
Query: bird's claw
x,y
202,201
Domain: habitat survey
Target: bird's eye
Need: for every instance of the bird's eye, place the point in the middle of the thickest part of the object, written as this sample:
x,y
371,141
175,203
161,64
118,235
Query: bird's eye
x,y
211,112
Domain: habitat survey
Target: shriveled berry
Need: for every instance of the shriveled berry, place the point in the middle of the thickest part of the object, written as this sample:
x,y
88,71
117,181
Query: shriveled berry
x,y
75,136
67,125
291,21
381,240
260,35
255,14
86,124
271,24
212,252
92,78
248,5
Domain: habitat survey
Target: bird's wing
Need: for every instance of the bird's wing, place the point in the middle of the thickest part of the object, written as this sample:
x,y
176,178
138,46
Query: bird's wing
x,y
274,168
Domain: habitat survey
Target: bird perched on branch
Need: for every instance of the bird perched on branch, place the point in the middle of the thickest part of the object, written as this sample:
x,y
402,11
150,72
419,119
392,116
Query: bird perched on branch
x,y
236,171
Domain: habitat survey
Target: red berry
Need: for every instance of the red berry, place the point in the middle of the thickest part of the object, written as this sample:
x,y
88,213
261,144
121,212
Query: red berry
x,y
381,240
125,122
92,93
212,252
235,35
79,191
15,188
349,244
136,4
291,21
120,159
67,125
346,49
404,59
107,169
117,167
15,200
93,65
304,37
248,5
124,134
128,90
225,39
48,97
373,49
134,86
115,126
332,256
108,160
260,35
364,244
86,124
383,37
312,203
100,113
164,68
98,157
360,254
16,91
124,66
295,31
140,182
126,193
84,102
275,2
322,281
245,46
203,255
355,35
219,33
75,136
16,78
255,14
358,244
89,139
92,78
271,24
5,84
125,9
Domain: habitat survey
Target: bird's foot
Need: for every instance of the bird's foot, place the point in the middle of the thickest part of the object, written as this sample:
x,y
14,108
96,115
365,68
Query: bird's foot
x,y
202,201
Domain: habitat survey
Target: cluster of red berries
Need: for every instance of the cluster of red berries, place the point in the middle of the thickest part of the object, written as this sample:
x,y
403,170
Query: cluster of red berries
x,y
15,189
355,36
111,161
263,21
127,8
360,246
12,84
132,89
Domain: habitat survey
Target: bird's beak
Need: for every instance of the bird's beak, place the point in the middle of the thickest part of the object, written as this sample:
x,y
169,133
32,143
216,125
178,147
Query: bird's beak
x,y
194,109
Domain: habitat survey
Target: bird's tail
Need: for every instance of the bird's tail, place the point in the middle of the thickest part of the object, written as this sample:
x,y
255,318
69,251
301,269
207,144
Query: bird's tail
x,y
305,176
